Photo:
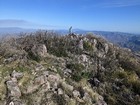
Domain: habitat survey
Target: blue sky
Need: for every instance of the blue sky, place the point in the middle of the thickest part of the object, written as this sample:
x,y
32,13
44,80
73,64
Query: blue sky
x,y
104,15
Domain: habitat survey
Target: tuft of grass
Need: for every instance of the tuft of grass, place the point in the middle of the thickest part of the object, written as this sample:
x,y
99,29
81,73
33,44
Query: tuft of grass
x,y
78,71
120,74
136,86
34,57
25,79
59,99
22,69
2,90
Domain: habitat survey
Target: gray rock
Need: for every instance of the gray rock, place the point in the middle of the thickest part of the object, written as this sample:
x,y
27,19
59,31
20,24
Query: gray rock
x,y
13,89
101,103
60,91
67,72
16,74
46,87
53,78
95,42
11,103
96,81
106,47
40,80
76,93
39,50
46,73
83,58
39,67
8,60
87,98
80,45
67,86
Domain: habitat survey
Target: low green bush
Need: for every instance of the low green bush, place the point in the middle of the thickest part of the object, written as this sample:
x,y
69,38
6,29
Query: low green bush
x,y
87,46
34,57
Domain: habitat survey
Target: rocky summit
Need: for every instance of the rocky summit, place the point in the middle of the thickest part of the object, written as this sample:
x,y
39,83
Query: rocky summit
x,y
44,68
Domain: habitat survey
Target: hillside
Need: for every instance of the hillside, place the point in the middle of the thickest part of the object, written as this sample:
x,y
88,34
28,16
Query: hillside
x,y
50,69
122,39
125,40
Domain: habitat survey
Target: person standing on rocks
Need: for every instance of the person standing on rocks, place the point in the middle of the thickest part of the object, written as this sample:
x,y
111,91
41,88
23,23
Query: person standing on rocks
x,y
70,30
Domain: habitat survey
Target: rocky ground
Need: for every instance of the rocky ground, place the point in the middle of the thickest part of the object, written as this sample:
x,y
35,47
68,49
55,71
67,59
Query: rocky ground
x,y
47,69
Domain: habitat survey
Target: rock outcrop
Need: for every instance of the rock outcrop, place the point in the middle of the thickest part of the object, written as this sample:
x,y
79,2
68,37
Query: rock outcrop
x,y
39,50
13,90
73,70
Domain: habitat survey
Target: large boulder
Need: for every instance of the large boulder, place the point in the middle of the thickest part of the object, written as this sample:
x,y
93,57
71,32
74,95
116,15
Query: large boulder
x,y
13,89
39,50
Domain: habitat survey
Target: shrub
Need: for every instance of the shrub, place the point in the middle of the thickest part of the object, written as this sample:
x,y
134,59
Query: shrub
x,y
34,57
87,46
110,100
78,72
59,99
75,66
76,77
136,86
120,74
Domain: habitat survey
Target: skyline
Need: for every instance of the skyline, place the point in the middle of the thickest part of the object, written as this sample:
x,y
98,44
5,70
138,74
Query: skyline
x,y
103,15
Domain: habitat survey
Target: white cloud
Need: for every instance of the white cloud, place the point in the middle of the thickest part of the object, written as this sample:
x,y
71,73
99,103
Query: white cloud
x,y
112,4
21,23
120,3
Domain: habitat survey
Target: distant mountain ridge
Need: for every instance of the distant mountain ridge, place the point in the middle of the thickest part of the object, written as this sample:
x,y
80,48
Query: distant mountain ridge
x,y
127,40
11,30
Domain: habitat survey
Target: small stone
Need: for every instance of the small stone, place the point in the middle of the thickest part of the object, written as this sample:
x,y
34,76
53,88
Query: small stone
x,y
39,67
46,73
53,78
96,81
11,103
76,93
67,72
83,58
67,86
60,91
40,80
